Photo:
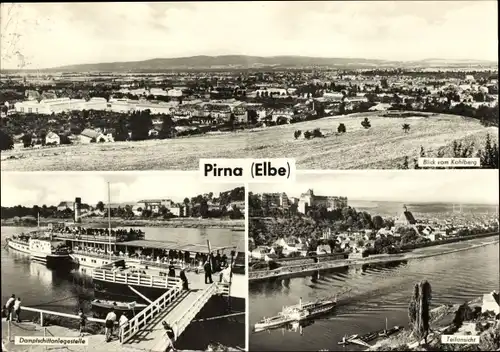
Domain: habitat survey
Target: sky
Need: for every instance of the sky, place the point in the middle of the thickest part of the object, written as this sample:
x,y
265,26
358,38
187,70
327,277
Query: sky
x,y
42,35
34,188
408,186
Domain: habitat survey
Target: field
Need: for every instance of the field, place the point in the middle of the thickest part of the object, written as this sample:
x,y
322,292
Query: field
x,y
383,146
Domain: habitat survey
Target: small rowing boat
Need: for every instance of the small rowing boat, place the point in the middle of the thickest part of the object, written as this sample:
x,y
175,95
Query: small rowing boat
x,y
364,339
120,306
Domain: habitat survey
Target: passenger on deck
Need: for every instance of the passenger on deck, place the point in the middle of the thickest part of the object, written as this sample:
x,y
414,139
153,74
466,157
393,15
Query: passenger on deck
x,y
225,275
218,261
185,284
208,272
171,271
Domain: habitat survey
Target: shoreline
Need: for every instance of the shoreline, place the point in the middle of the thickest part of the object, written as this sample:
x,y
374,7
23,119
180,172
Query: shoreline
x,y
439,324
237,225
350,262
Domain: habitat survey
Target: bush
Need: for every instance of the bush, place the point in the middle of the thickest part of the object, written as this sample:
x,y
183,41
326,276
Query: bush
x,y
307,135
6,141
316,133
341,128
366,123
297,134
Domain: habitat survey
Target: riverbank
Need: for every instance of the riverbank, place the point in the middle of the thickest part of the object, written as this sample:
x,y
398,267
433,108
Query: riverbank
x,y
420,253
442,321
237,225
95,341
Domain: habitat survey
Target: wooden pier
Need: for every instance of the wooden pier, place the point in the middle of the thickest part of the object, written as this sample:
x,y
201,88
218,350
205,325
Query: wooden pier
x,y
176,306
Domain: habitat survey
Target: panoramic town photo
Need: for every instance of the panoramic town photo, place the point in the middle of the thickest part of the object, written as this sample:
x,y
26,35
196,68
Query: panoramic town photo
x,y
375,260
335,85
129,261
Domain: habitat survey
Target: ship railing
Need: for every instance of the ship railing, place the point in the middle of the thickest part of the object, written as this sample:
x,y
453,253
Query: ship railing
x,y
96,238
97,255
134,325
187,266
136,279
185,319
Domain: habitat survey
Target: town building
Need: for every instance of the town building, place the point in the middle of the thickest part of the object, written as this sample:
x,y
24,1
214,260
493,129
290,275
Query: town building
x,y
309,199
491,303
405,218
90,136
155,204
270,200
52,139
66,205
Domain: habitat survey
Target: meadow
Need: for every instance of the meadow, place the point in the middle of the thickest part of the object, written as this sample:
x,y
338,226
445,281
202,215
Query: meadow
x,y
383,146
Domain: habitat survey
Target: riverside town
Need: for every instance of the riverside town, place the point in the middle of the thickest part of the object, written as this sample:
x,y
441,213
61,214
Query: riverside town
x,y
325,266
47,115
145,275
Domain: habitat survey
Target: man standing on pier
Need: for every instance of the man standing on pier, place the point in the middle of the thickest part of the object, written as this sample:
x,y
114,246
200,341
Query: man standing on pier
x,y
110,323
17,309
10,305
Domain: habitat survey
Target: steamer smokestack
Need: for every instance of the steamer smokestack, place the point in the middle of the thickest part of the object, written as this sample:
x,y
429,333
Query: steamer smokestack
x,y
77,210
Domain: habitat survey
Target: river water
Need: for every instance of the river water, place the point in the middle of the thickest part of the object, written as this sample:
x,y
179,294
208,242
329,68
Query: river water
x,y
378,291
65,292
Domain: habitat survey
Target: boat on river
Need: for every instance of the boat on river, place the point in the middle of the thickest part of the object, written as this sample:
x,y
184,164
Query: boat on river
x,y
118,306
364,339
297,313
41,248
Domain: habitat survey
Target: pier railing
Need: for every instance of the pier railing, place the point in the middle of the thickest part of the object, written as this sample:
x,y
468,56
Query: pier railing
x,y
186,317
136,279
66,315
223,288
135,324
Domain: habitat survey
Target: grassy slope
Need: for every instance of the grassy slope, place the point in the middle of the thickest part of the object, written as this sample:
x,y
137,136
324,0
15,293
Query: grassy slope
x,y
383,146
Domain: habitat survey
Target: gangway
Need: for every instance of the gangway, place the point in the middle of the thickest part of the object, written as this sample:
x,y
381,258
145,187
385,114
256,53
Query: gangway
x,y
177,307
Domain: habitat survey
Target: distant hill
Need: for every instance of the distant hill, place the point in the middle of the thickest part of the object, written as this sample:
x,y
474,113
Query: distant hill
x,y
246,62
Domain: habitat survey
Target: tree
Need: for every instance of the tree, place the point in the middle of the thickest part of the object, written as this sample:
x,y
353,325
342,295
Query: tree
x,y
27,140
405,164
366,123
121,129
252,116
406,127
341,128
418,310
204,208
489,156
297,134
232,121
140,124
6,141
167,127
100,206
378,222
